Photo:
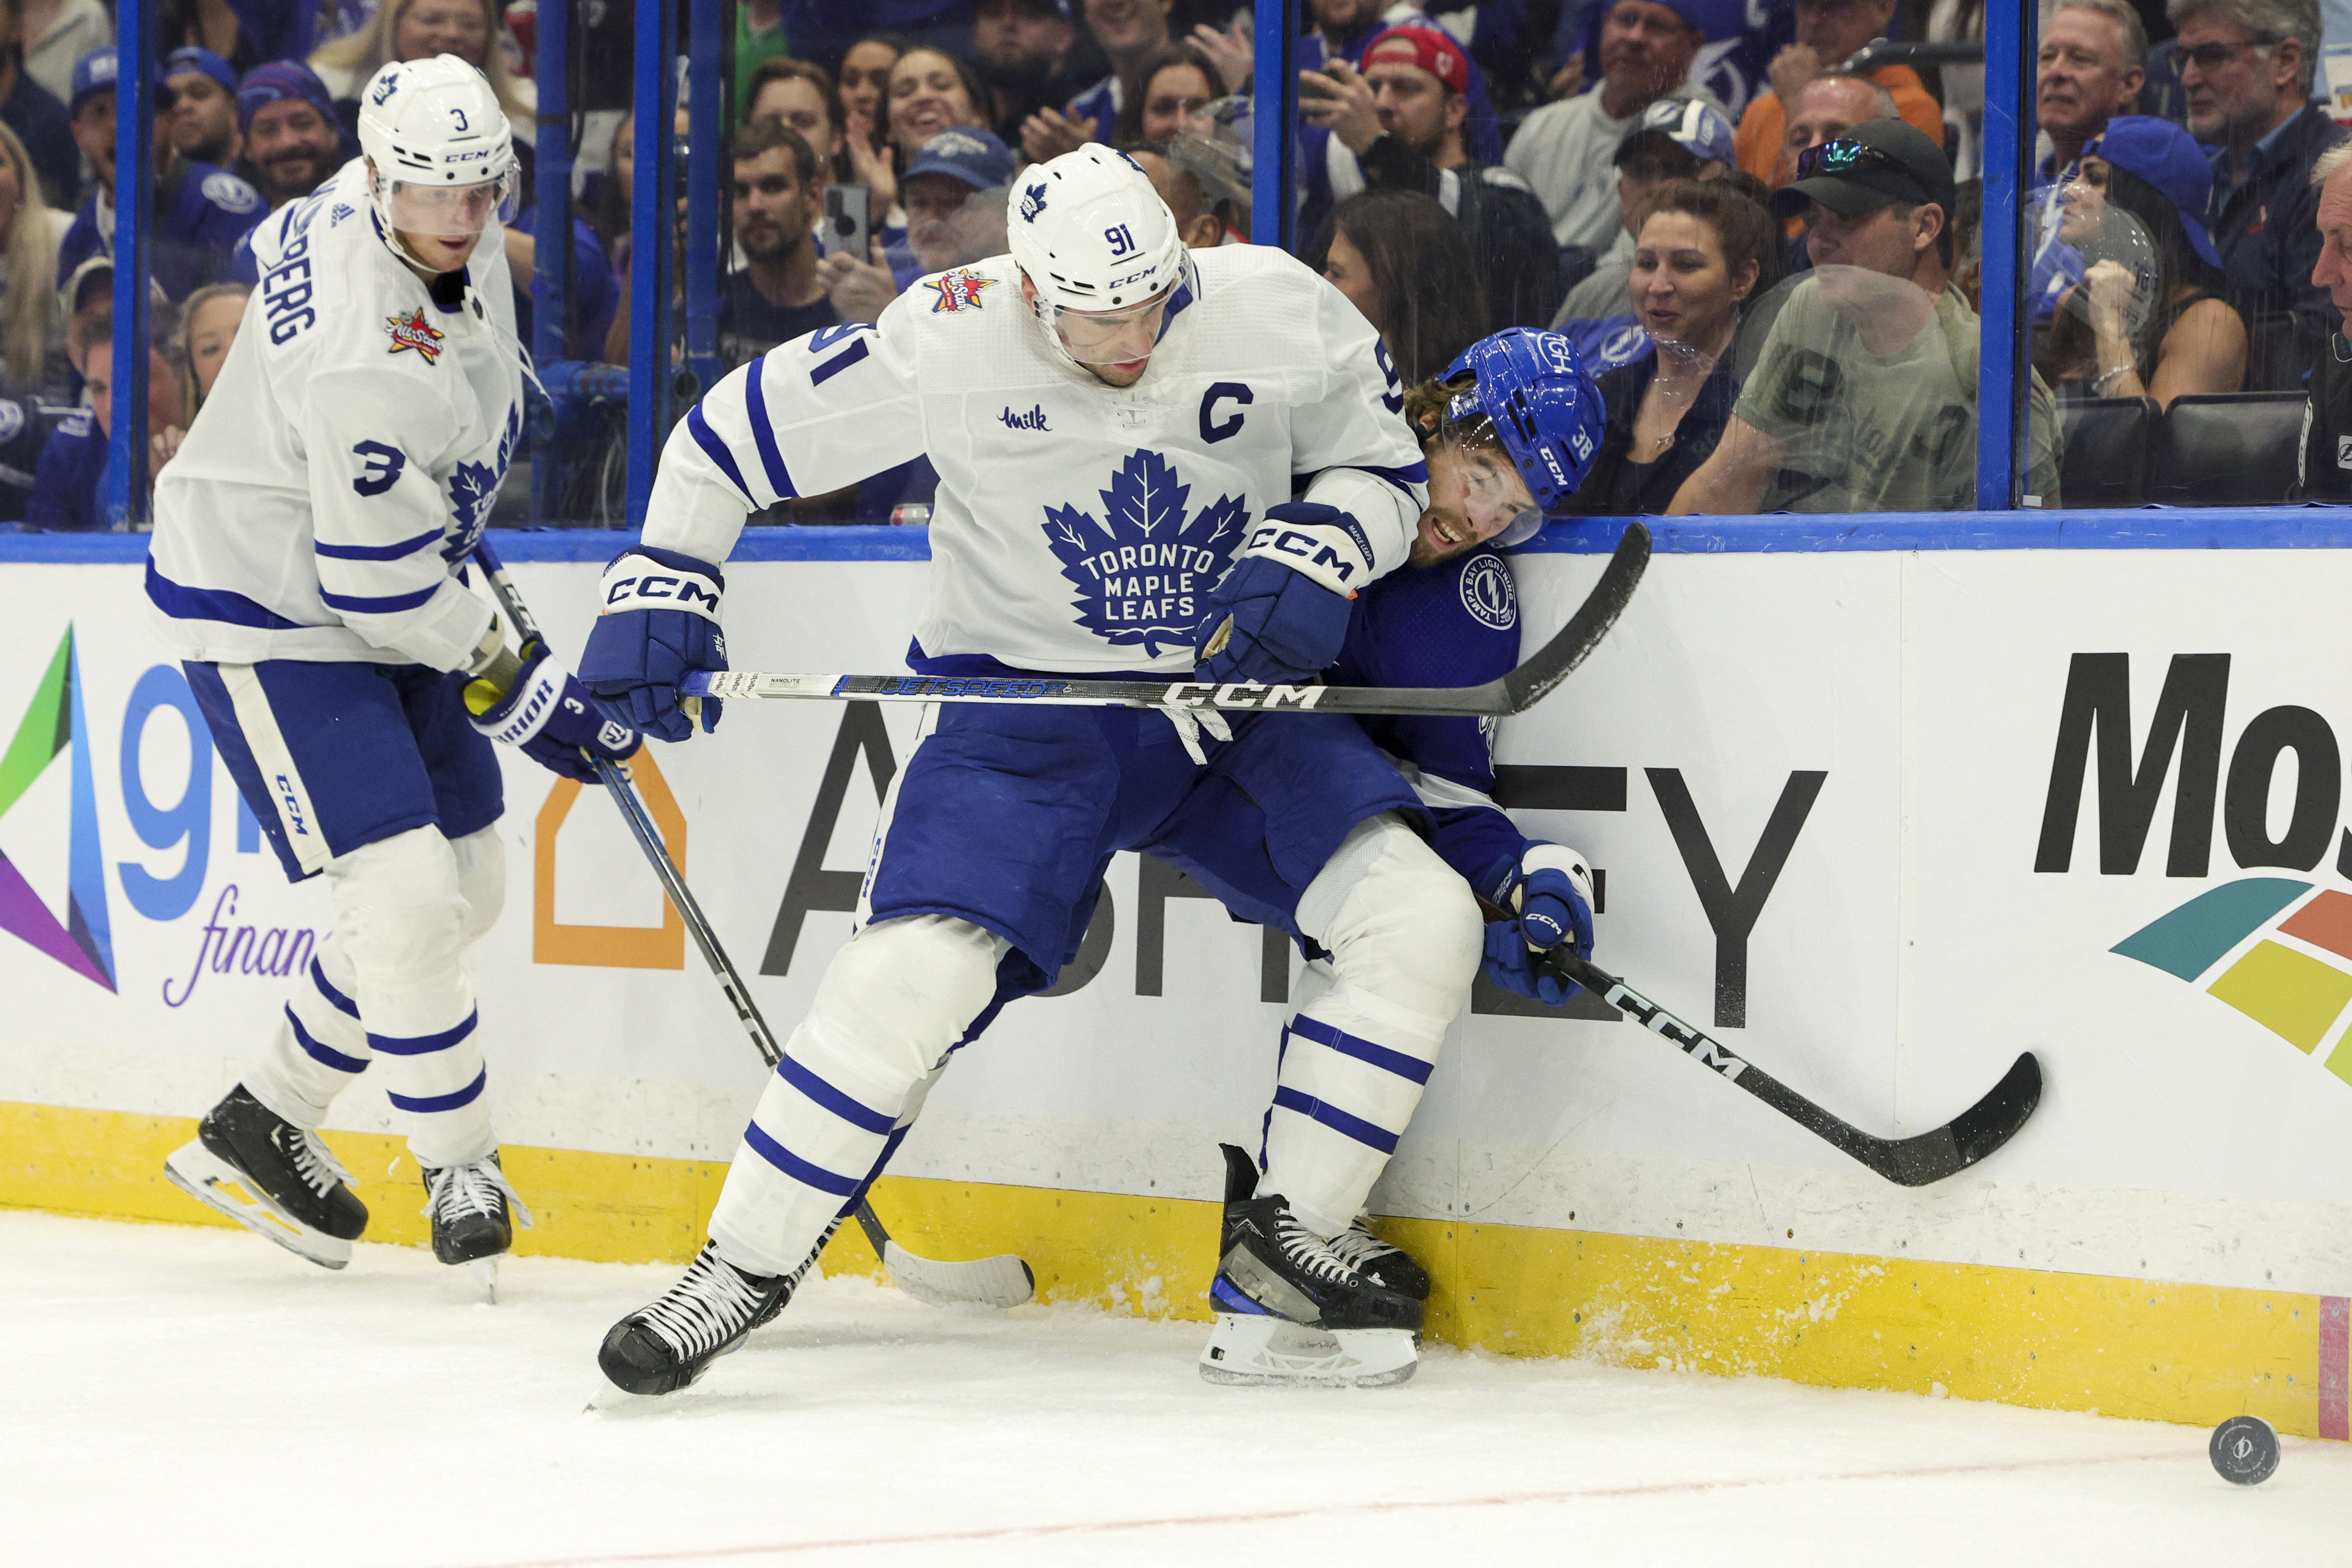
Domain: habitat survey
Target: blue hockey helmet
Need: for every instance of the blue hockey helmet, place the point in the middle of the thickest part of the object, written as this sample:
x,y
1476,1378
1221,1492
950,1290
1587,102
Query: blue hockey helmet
x,y
1532,389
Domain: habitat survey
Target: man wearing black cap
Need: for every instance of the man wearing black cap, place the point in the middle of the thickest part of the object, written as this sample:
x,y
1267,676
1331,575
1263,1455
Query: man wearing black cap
x,y
1864,395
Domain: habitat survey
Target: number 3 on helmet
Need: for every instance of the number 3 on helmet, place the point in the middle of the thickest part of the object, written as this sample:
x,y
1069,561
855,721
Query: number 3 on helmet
x,y
442,153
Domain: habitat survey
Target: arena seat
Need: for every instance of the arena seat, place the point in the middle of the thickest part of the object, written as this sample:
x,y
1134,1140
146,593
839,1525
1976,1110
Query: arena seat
x,y
2107,442
2229,449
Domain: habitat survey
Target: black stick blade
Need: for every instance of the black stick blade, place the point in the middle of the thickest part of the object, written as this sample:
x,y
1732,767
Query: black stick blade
x,y
1976,1132
1531,682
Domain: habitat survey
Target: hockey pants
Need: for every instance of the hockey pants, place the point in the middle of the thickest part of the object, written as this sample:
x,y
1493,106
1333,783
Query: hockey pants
x,y
1404,933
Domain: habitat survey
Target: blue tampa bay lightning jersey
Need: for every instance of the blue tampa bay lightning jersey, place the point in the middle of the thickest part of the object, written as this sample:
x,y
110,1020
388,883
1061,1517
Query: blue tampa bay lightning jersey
x,y
1455,623
1077,527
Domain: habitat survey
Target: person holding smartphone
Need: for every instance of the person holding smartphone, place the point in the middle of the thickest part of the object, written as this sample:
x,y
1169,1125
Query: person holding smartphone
x,y
781,292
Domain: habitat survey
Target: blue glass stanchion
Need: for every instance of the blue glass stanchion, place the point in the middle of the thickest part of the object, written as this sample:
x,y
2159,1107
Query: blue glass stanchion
x,y
125,490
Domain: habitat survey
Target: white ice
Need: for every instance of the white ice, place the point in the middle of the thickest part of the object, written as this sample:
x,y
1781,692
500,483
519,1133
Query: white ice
x,y
187,1397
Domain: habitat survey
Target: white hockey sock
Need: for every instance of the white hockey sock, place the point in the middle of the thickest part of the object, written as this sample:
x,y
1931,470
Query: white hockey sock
x,y
402,917
321,1048
1404,934
1350,1080
891,1004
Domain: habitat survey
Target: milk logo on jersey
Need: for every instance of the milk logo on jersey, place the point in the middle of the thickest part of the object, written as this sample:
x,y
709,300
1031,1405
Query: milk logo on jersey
x,y
413,332
958,289
1489,593
1032,202
1032,420
474,489
1144,570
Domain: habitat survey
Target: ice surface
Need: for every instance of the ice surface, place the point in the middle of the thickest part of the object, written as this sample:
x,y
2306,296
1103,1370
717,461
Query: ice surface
x,y
190,1397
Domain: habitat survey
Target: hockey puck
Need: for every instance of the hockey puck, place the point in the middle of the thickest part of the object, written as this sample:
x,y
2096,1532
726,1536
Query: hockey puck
x,y
2244,1450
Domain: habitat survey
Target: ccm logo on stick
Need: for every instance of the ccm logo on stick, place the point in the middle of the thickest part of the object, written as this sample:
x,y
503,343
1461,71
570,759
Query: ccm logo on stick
x,y
1244,694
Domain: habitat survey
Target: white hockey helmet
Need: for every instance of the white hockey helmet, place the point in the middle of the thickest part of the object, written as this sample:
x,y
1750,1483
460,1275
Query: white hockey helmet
x,y
1094,238
443,152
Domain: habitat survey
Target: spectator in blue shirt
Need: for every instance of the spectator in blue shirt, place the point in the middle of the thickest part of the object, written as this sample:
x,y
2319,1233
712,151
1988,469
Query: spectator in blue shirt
x,y
66,481
204,106
200,211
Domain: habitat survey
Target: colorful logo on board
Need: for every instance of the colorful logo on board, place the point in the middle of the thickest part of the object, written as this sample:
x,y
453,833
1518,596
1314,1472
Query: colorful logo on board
x,y
2295,982
81,938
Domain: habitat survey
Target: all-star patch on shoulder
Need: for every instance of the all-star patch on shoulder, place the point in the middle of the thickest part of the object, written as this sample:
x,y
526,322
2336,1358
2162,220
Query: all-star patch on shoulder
x,y
413,332
958,290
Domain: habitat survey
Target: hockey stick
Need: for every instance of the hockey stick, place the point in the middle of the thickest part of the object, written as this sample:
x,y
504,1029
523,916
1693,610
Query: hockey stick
x,y
1911,1161
1515,692
987,1282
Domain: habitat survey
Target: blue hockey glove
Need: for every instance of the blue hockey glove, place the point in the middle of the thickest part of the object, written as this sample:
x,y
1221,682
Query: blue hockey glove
x,y
657,623
1550,896
549,715
1281,613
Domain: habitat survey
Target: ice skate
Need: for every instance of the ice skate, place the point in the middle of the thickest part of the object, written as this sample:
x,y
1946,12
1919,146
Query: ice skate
x,y
276,1179
1290,1312
1381,1263
468,1207
662,1347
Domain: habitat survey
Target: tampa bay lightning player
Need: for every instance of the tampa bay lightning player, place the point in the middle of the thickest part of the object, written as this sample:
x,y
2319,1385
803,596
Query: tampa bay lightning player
x,y
1119,424
1507,432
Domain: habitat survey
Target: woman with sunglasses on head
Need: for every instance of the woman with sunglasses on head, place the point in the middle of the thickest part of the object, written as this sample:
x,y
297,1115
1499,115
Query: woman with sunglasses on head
x,y
1702,250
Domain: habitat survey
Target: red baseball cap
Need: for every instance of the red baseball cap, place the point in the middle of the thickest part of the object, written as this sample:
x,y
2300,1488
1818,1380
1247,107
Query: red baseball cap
x,y
1423,46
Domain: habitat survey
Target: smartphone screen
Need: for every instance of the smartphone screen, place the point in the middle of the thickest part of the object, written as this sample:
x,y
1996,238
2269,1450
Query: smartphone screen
x,y
846,220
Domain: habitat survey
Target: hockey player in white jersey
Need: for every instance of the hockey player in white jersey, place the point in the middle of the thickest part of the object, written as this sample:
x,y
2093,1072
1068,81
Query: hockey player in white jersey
x,y
1117,425
310,538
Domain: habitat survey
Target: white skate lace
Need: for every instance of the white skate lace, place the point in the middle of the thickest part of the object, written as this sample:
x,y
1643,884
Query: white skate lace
x,y
1309,1253
699,1312
316,1163
1356,1246
457,1191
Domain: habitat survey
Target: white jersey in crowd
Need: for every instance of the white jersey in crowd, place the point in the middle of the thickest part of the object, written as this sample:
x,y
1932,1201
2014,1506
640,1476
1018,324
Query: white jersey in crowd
x,y
348,457
1078,527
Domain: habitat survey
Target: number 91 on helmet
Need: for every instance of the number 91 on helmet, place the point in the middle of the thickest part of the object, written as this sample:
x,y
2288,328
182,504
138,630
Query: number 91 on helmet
x,y
441,157
1101,254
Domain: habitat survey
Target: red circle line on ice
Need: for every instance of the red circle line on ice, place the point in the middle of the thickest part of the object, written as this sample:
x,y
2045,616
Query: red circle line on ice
x,y
1278,1516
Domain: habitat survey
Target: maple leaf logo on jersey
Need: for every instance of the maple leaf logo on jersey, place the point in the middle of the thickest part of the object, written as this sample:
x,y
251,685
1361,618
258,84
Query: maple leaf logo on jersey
x,y
474,489
411,332
1144,572
959,289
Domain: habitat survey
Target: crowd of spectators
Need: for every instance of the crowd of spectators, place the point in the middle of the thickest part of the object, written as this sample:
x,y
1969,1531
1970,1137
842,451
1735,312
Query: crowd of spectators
x,y
1671,182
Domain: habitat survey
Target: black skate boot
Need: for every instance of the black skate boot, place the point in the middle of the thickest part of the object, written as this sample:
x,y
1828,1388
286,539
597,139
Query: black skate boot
x,y
1381,1263
272,1177
1289,1310
468,1207
662,1347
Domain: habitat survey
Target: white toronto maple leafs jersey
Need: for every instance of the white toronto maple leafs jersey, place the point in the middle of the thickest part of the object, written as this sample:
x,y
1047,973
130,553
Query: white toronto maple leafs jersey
x,y
348,457
1078,527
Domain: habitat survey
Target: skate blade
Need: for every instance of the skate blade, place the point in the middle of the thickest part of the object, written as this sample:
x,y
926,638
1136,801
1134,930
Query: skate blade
x,y
485,1271
1247,1350
999,1282
220,1187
